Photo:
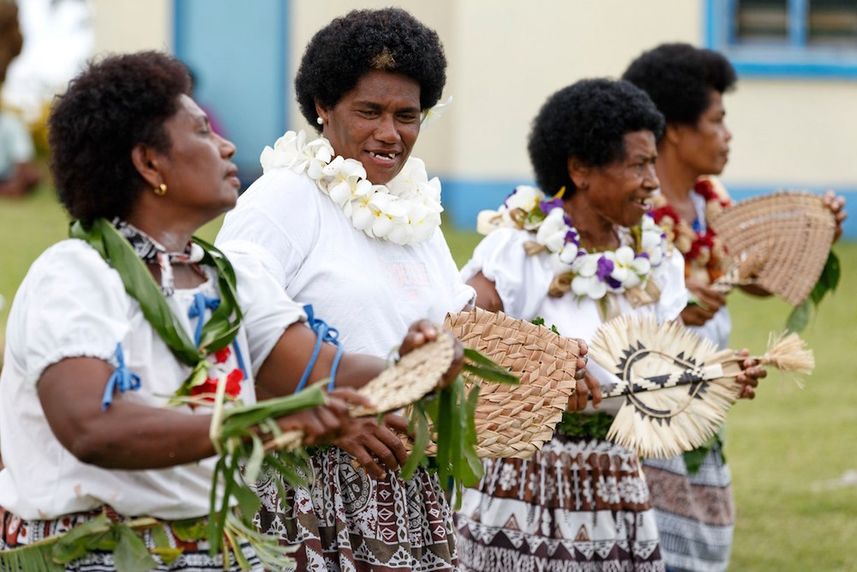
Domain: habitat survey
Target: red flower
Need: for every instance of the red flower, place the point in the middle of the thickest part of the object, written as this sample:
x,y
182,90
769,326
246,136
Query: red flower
x,y
221,355
209,386
233,382
665,211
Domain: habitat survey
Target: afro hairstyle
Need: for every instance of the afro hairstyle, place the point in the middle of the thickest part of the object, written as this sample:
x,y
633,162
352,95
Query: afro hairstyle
x,y
110,108
587,120
679,78
342,52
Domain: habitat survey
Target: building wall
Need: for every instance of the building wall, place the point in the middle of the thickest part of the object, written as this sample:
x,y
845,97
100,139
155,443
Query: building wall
x,y
506,56
131,25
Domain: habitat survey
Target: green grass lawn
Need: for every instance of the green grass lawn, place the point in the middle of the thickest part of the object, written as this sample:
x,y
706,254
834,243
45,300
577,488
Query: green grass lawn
x,y
787,449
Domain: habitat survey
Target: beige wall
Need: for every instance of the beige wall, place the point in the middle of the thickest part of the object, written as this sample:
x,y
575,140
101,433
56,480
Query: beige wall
x,y
793,132
130,25
506,56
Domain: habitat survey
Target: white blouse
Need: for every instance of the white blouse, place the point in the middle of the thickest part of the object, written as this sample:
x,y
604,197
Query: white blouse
x,y
72,304
522,282
371,290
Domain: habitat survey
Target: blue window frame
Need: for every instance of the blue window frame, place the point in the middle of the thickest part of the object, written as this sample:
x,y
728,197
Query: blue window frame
x,y
785,38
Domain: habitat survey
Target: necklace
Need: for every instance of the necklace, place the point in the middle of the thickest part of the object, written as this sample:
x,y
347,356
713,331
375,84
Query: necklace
x,y
586,274
404,211
212,338
703,251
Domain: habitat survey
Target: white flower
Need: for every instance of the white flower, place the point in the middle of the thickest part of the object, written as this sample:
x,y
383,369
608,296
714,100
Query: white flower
x,y
405,211
432,114
589,286
552,231
569,253
525,198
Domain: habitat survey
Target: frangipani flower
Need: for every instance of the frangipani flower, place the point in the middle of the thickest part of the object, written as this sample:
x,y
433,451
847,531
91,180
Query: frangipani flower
x,y
291,151
525,198
553,230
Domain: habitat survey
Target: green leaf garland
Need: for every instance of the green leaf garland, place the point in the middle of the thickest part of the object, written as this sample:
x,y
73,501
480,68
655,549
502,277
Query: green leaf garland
x,y
827,283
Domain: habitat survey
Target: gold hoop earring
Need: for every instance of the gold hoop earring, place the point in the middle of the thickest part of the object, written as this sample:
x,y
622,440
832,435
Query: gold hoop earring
x,y
161,190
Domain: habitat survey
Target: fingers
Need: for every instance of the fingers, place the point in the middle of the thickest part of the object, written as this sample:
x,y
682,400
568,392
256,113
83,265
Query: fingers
x,y
751,372
418,334
392,452
578,401
711,298
362,455
836,205
396,423
594,390
456,365
314,426
349,396
582,348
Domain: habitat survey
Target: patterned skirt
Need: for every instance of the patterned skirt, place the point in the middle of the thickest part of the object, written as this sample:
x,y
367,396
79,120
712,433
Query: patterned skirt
x,y
17,532
347,521
695,513
580,504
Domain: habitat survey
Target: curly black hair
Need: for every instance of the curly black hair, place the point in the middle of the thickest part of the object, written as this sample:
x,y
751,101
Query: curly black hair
x,y
110,108
389,39
679,79
587,120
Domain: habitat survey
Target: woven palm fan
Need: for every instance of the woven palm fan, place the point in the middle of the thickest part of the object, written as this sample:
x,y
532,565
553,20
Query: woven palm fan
x,y
415,375
677,386
779,242
516,420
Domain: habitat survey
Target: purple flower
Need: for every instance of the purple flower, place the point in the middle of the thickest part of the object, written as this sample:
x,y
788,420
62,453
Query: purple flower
x,y
571,236
605,267
548,206
642,255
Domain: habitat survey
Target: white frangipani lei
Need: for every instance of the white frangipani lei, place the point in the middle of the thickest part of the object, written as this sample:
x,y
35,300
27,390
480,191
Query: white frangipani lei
x,y
590,274
404,211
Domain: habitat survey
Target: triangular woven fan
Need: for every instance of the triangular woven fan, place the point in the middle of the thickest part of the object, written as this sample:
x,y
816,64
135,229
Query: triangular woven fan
x,y
516,420
783,239
414,376
677,386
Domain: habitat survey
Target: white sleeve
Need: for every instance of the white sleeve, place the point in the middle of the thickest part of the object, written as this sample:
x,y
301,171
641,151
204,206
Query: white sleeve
x,y
267,309
71,304
670,278
279,213
521,280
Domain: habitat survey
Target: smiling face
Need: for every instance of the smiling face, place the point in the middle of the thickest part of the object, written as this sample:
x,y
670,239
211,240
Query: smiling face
x,y
197,169
621,192
376,123
705,146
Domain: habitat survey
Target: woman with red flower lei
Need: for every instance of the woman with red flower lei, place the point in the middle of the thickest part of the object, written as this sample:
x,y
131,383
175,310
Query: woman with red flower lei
x,y
693,495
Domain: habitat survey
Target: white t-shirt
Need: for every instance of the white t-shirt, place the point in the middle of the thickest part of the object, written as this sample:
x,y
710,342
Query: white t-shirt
x,y
72,304
371,290
522,282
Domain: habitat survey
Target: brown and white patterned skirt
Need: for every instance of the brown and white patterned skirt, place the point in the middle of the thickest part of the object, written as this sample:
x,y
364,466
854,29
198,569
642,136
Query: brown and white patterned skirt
x,y
348,521
580,504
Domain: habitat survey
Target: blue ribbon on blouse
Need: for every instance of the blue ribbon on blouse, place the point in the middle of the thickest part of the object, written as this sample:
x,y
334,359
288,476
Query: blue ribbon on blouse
x,y
197,309
324,333
122,379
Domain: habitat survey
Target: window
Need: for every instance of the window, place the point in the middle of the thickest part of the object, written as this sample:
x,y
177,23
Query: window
x,y
808,38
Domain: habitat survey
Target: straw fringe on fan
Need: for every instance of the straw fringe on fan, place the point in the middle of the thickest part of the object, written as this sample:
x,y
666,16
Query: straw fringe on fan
x,y
516,420
677,387
785,237
415,375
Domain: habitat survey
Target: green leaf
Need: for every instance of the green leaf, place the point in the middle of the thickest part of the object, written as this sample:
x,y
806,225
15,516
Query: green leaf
x,y
254,462
799,317
538,320
490,374
131,554
162,549
79,540
418,426
248,502
190,530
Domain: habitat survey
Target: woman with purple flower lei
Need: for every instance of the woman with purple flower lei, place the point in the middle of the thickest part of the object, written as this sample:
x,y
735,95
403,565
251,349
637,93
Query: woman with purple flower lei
x,y
576,251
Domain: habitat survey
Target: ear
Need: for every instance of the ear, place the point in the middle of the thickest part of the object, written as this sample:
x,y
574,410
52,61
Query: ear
x,y
578,173
672,134
147,161
321,112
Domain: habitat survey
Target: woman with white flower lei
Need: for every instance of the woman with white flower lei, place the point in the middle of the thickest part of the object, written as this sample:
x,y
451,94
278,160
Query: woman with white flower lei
x,y
349,222
585,255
